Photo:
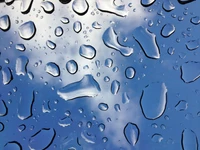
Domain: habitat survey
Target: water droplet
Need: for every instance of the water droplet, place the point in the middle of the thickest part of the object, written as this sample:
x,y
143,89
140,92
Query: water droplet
x,y
168,5
80,7
167,30
157,138
101,127
195,20
59,31
9,2
46,107
13,145
103,106
5,23
192,44
65,1
47,6
65,122
130,72
108,62
157,93
96,25
117,107
147,41
64,20
46,135
21,128
181,105
27,30
106,79
21,63
51,44
185,1
72,66
87,51
7,75
86,87
171,50
30,75
88,138
131,133
20,47
25,6
52,69
115,86
1,126
189,140
110,40
147,3
77,26
125,98
3,108
105,139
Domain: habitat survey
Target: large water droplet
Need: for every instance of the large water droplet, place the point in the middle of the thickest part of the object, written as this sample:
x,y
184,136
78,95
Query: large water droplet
x,y
147,2
192,44
7,75
51,44
27,99
87,51
52,69
59,31
86,87
80,7
181,105
77,26
110,39
168,5
27,30
185,1
13,145
21,63
157,138
190,71
5,23
131,133
147,41
189,140
47,6
108,62
167,30
115,86
72,66
3,108
195,20
110,7
125,98
65,122
44,135
20,47
130,72
26,6
103,106
153,100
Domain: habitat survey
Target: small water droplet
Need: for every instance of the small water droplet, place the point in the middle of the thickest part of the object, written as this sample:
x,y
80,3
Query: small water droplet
x,y
1,126
47,6
21,128
27,30
20,47
26,6
52,69
72,66
125,98
21,64
13,145
5,23
87,51
108,62
101,127
80,7
77,26
96,25
195,20
168,5
103,106
182,105
64,20
50,44
7,75
65,122
131,133
157,138
3,108
115,86
59,31
167,30
117,107
130,72
189,140
192,44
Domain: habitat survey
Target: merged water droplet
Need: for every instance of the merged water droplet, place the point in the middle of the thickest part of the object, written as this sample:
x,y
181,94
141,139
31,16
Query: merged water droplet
x,y
168,5
96,25
131,133
25,6
51,44
3,108
115,86
110,40
125,98
46,135
52,69
27,30
21,64
192,44
77,26
157,138
108,62
167,30
154,100
189,140
5,23
147,41
20,47
86,87
47,6
103,106
72,66
65,122
59,31
181,105
147,3
80,7
13,145
130,72
64,20
87,51
7,75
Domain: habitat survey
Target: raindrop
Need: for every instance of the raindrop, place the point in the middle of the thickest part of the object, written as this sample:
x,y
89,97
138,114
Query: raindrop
x,y
105,139
195,20
13,145
5,23
3,108
189,140
80,7
106,79
147,3
64,20
87,51
27,30
25,6
117,107
1,126
168,5
108,62
103,106
115,86
30,75
21,128
51,44
181,105
96,25
86,87
192,44
59,31
185,1
21,64
101,127
7,75
130,72
20,47
125,98
131,133
77,26
72,66
52,69
97,62
65,122
167,30
47,6
157,93
157,138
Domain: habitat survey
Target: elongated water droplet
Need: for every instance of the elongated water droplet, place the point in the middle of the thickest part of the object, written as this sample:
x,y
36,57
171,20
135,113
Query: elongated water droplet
x,y
189,140
115,86
181,105
130,72
80,7
153,100
167,30
27,30
65,122
185,1
77,26
110,39
125,98
108,62
46,135
51,44
117,107
168,5
157,138
13,145
52,69
87,51
20,47
5,23
147,41
3,108
103,106
131,133
147,3
96,25
21,63
190,71
192,44
47,6
86,87
110,7
64,20
26,6
195,20
59,31
30,75
27,99
7,75
72,66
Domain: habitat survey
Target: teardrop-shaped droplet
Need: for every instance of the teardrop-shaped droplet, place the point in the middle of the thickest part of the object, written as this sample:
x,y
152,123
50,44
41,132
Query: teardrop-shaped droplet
x,y
192,44
189,140
77,26
103,106
185,1
64,20
80,7
21,63
131,133
13,145
65,122
157,138
87,51
52,69
26,6
181,105
125,98
59,31
108,62
96,25
110,40
72,66
153,100
130,72
167,30
147,3
46,135
51,44
20,47
5,23
195,20
168,5
27,30
47,6
3,108
7,75
147,41
115,86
